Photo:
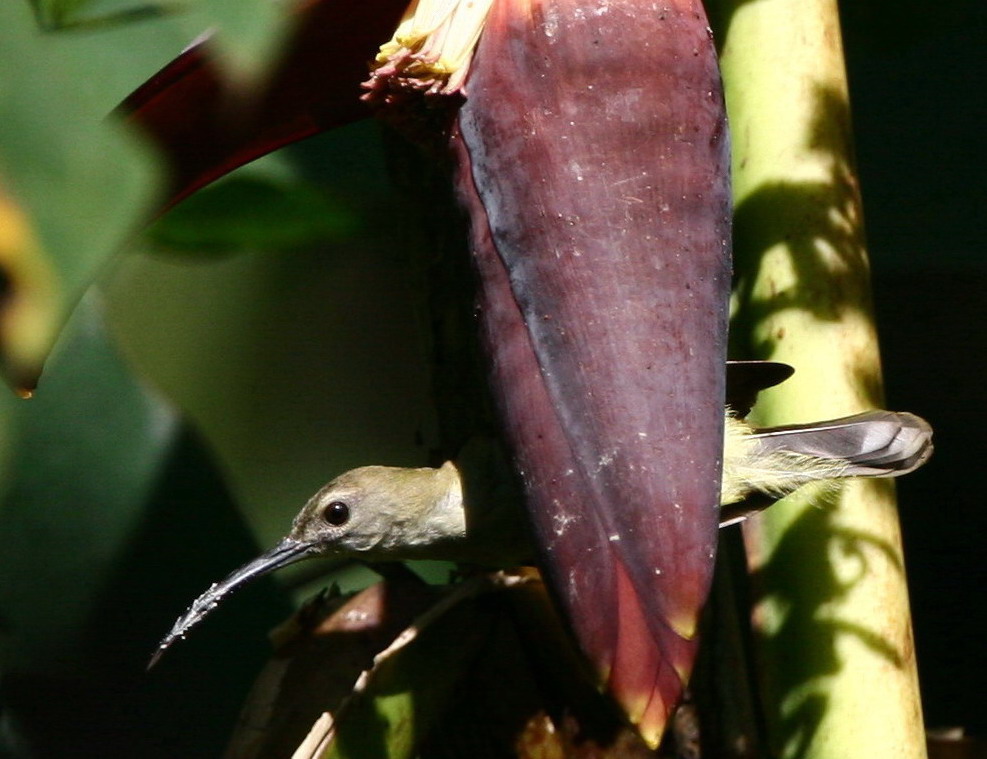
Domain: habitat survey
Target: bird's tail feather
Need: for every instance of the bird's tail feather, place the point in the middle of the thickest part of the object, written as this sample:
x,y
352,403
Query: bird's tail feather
x,y
762,465
873,444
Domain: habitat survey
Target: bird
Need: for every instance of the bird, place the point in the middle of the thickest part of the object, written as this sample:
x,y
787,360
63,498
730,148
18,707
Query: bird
x,y
469,510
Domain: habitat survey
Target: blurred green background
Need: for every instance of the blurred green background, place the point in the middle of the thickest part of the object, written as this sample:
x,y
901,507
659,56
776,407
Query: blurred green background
x,y
272,332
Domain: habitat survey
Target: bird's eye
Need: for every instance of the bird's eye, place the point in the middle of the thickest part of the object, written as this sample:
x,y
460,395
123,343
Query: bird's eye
x,y
337,513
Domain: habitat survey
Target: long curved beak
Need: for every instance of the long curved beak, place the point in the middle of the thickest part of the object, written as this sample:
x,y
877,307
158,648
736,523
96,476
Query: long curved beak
x,y
286,552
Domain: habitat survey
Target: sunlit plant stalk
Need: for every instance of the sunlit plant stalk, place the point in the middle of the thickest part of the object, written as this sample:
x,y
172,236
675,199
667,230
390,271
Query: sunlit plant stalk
x,y
834,650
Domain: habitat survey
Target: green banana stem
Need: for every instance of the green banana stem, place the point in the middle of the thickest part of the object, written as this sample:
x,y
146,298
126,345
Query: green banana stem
x,y
830,614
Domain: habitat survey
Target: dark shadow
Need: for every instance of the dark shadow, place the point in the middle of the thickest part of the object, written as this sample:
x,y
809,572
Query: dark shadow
x,y
933,342
191,534
723,684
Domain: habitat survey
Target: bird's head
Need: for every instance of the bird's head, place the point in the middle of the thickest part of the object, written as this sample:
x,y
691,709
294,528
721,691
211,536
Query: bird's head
x,y
375,513
382,513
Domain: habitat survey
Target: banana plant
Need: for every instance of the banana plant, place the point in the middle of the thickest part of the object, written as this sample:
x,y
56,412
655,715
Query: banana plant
x,y
587,144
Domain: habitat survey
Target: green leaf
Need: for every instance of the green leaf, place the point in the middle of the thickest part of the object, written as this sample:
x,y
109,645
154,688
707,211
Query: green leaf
x,y
88,446
114,517
246,212
52,14
247,33
79,184
56,15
